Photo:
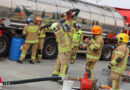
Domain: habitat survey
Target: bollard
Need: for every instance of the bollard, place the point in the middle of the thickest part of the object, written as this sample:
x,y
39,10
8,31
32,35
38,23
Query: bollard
x,y
67,85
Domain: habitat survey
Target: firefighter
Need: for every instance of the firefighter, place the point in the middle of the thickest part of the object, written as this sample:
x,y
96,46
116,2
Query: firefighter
x,y
94,49
41,37
64,48
119,60
71,16
31,33
76,41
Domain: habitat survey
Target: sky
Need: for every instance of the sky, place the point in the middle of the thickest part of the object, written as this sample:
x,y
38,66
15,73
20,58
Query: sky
x,y
112,3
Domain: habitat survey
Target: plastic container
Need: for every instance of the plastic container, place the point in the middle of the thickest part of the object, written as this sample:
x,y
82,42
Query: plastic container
x,y
67,85
15,51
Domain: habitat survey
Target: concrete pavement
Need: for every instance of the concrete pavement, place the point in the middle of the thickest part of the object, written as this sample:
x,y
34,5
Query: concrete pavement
x,y
10,70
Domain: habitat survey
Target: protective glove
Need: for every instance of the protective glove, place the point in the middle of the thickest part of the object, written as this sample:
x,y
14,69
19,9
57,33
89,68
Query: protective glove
x,y
119,59
95,49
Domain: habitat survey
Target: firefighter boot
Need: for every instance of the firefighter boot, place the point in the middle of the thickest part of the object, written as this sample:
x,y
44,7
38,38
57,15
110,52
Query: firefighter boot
x,y
39,56
19,61
89,73
74,54
31,61
73,59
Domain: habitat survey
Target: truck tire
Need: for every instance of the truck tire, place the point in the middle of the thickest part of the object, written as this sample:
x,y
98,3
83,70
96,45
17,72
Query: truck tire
x,y
50,49
4,45
106,52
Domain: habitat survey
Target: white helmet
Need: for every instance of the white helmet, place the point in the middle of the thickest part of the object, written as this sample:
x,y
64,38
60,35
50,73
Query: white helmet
x,y
78,25
54,27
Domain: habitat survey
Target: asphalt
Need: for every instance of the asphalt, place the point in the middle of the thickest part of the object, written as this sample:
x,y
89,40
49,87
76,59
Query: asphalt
x,y
11,70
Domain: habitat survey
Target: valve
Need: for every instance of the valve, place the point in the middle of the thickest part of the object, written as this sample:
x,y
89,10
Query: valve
x,y
85,82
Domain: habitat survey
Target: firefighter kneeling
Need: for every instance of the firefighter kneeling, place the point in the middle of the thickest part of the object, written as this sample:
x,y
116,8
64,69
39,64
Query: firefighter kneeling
x,y
94,49
119,60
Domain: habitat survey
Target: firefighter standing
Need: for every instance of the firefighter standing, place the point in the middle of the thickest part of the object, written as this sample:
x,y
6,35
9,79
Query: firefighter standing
x,y
119,60
94,49
76,41
63,35
64,49
41,37
71,16
31,33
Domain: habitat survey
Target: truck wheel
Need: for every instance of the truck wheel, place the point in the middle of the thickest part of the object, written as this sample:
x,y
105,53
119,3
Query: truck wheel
x,y
50,50
106,52
4,45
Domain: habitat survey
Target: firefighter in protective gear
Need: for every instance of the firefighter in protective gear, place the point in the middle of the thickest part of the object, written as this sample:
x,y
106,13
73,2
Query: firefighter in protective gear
x,y
94,49
71,15
119,60
76,41
31,33
64,49
41,37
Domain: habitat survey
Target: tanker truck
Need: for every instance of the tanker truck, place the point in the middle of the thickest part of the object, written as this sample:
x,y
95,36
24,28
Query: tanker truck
x,y
13,14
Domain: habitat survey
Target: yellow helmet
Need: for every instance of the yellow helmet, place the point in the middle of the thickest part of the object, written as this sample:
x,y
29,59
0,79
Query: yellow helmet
x,y
123,38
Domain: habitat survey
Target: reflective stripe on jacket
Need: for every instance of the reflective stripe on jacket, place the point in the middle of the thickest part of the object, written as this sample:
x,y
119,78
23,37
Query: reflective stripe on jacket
x,y
120,52
31,32
42,32
94,48
63,40
77,37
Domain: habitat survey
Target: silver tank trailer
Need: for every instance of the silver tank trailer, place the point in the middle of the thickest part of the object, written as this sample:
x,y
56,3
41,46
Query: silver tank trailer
x,y
18,10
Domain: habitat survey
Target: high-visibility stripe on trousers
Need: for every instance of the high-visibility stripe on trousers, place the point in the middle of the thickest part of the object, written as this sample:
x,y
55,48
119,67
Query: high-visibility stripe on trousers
x,y
74,53
90,66
25,49
40,48
62,62
115,77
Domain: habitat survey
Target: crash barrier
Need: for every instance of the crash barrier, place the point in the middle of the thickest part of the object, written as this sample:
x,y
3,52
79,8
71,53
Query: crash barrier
x,y
15,51
85,82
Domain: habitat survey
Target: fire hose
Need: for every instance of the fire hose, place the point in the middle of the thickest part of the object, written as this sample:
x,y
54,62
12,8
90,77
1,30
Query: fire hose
x,y
85,82
32,80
